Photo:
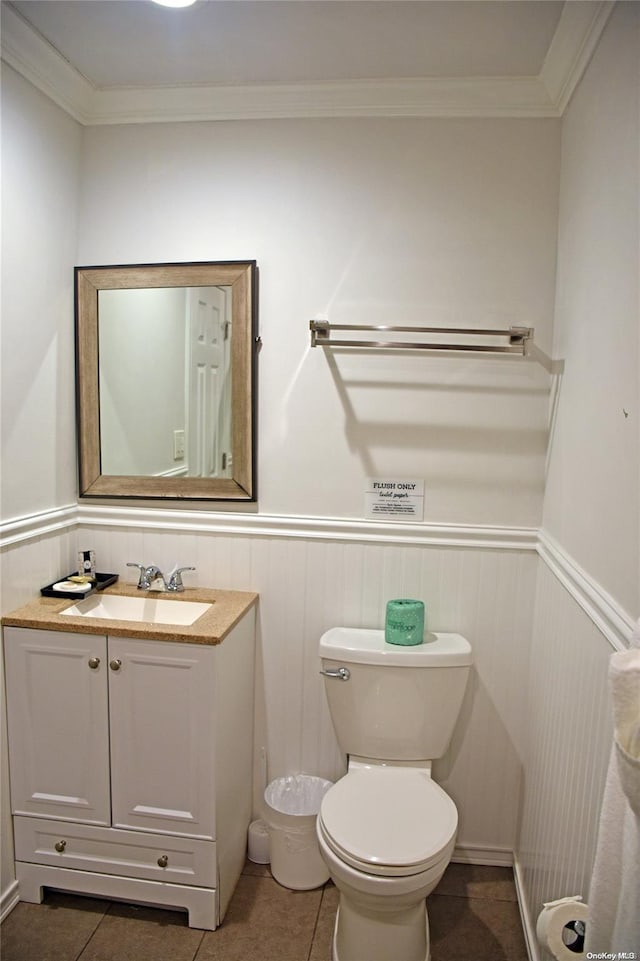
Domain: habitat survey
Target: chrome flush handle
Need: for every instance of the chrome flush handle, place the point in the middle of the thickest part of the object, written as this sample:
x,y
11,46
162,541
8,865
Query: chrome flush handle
x,y
341,673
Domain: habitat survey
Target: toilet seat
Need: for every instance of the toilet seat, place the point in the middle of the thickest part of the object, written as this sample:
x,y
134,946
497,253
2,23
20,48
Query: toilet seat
x,y
388,821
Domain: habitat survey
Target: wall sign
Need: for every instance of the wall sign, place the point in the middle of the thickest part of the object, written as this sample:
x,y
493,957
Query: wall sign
x,y
399,500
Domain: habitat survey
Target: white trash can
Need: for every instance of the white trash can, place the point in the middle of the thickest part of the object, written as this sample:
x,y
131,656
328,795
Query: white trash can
x,y
291,807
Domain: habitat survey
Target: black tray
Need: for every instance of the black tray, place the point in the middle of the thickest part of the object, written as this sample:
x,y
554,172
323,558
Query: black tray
x,y
102,581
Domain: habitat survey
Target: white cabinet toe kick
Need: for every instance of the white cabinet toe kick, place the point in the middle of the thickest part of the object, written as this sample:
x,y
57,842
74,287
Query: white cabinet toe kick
x,y
200,903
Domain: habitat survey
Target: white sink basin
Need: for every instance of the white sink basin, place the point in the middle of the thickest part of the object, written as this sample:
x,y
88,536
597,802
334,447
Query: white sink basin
x,y
149,609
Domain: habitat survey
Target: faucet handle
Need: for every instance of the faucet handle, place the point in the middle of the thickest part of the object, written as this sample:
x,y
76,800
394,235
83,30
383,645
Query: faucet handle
x,y
142,582
154,579
175,581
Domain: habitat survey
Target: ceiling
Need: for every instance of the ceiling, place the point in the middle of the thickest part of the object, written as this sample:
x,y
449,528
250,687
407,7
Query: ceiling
x,y
112,61
115,43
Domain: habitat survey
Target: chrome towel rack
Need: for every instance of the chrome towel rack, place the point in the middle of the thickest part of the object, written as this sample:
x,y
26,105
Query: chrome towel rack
x,y
518,338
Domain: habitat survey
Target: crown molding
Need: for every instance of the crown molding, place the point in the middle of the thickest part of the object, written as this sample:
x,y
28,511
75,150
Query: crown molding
x,y
433,97
577,34
41,64
579,29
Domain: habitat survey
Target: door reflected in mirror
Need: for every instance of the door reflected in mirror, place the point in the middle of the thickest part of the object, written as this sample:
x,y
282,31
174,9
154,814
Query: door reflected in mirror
x,y
165,381
166,359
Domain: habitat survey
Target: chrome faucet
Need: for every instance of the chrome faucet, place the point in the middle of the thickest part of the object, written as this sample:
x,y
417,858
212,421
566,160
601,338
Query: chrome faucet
x,y
152,579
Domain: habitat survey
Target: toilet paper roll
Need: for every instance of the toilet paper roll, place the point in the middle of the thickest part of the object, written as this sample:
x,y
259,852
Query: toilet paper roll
x,y
404,622
560,928
258,843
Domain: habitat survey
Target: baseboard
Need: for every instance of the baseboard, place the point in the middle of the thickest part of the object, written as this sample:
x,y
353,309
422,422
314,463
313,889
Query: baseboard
x,y
528,923
8,899
472,854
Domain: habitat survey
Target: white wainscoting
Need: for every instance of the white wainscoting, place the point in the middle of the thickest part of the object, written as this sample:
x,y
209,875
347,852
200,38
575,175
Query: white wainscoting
x,y
315,573
541,635
34,551
569,743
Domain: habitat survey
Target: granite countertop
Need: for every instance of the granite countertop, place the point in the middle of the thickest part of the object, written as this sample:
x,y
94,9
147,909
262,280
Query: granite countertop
x,y
44,613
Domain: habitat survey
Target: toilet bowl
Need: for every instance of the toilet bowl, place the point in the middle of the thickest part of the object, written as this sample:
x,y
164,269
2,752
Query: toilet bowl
x,y
386,834
386,830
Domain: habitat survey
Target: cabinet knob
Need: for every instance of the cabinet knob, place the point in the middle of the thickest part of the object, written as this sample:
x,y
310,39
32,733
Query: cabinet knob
x,y
60,846
94,663
163,860
115,664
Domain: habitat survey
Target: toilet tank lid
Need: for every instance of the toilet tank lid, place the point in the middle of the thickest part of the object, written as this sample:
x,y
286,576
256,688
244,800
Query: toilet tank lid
x,y
361,645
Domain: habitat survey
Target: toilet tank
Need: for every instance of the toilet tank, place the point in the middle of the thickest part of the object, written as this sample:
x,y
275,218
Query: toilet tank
x,y
399,703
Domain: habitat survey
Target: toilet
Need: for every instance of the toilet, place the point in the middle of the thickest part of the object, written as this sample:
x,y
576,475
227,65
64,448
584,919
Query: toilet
x,y
386,830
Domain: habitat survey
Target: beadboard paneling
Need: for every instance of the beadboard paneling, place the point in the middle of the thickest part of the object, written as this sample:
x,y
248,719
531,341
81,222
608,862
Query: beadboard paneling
x,y
568,749
536,704
308,584
35,557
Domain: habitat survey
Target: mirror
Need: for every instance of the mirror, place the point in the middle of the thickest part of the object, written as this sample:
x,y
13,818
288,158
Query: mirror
x,y
165,368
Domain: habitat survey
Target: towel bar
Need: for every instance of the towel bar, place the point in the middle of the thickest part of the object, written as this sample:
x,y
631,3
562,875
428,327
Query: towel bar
x,y
519,341
517,337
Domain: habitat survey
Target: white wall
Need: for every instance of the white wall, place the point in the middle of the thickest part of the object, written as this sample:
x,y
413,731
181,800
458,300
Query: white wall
x,y
592,501
591,534
434,222
41,177
40,171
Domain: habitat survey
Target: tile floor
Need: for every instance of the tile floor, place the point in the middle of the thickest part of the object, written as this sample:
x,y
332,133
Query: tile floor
x,y
473,914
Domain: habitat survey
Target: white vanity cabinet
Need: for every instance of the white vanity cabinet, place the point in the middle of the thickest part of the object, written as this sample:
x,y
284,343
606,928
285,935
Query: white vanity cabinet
x,y
131,764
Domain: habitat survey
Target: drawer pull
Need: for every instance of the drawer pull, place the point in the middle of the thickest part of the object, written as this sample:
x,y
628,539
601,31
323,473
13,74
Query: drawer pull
x,y
94,663
115,665
60,846
163,861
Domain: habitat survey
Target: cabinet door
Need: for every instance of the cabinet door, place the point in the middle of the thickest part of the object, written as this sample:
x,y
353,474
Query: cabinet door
x,y
58,724
162,706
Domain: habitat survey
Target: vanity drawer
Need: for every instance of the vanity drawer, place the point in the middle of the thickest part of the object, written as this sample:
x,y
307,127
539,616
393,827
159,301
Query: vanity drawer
x,y
157,857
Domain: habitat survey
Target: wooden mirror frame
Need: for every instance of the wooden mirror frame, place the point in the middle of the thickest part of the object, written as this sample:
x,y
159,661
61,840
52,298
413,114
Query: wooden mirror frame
x,y
241,276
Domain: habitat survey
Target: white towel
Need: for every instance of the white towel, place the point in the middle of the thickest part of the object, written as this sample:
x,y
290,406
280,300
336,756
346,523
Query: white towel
x,y
614,898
